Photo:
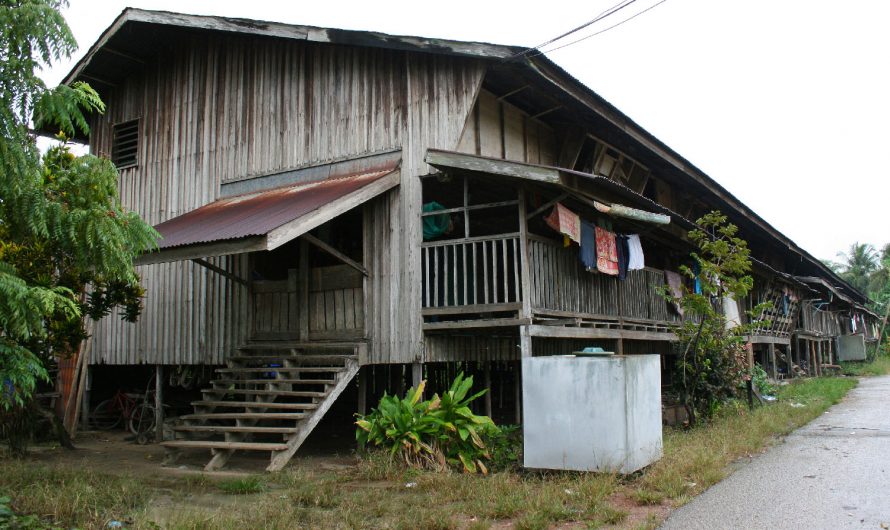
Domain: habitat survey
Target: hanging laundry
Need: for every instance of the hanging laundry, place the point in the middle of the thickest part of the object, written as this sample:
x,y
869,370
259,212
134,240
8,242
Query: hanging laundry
x,y
565,222
675,285
696,270
623,254
588,246
606,252
635,259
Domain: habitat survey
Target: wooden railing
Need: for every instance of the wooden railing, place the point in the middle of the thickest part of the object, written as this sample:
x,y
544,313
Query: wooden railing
x,y
335,311
559,284
818,322
476,271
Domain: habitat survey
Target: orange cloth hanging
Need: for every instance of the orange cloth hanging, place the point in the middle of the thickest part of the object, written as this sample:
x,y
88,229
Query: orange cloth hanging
x,y
606,252
565,222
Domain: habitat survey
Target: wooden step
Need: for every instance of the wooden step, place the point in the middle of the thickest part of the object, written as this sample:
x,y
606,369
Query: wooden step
x,y
211,444
234,428
251,392
256,405
266,381
261,369
245,416
295,358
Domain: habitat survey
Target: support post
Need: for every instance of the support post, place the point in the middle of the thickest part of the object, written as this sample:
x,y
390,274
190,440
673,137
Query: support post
x,y
159,403
416,374
771,348
303,290
488,387
85,402
525,271
517,384
362,391
525,342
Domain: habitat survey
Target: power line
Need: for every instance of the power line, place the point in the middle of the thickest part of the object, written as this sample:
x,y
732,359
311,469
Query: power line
x,y
604,14
653,6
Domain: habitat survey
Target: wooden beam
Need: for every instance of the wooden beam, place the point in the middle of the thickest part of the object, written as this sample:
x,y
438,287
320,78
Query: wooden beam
x,y
548,204
538,330
481,323
222,272
512,92
571,147
109,49
203,250
473,308
494,166
309,238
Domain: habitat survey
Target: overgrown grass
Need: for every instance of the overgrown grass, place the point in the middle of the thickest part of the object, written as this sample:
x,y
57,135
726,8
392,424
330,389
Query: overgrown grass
x,y
379,493
879,366
71,498
242,486
698,458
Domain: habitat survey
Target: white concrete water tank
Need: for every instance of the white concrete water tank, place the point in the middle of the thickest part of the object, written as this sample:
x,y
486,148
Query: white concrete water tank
x,y
591,413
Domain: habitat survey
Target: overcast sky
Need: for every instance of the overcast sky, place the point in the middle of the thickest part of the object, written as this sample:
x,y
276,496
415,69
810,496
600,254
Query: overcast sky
x,y
785,103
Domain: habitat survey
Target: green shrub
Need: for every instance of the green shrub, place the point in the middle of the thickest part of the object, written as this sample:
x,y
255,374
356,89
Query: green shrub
x,y
436,433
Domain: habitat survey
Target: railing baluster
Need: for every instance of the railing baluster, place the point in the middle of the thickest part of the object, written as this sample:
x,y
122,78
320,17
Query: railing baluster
x,y
494,272
505,275
463,255
517,285
485,271
436,277
445,274
454,296
426,277
475,276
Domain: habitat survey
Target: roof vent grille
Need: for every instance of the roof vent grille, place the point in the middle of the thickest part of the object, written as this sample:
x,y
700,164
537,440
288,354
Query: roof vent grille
x,y
125,144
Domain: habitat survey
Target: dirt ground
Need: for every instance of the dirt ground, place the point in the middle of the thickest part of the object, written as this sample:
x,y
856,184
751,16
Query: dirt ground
x,y
114,452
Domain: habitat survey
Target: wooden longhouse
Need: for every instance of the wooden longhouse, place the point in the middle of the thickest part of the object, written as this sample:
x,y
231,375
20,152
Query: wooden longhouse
x,y
289,170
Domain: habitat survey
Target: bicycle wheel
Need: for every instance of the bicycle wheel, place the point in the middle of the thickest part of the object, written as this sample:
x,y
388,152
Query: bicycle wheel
x,y
142,419
105,416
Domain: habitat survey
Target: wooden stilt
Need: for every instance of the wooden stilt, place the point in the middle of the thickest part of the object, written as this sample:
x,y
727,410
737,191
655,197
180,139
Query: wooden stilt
x,y
517,384
362,405
774,369
488,386
159,403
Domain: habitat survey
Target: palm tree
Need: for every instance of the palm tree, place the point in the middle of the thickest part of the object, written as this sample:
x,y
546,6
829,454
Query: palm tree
x,y
858,264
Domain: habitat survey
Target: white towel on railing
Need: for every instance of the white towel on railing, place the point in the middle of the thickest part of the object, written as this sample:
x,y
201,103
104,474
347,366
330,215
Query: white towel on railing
x,y
635,259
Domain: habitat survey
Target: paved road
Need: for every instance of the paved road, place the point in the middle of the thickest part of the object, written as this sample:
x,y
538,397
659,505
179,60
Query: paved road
x,y
832,473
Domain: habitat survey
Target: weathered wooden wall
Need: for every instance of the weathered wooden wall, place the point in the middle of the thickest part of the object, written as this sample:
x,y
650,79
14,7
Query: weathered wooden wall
x,y
218,108
497,129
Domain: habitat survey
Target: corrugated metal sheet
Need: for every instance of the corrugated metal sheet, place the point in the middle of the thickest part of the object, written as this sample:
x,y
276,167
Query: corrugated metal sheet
x,y
259,213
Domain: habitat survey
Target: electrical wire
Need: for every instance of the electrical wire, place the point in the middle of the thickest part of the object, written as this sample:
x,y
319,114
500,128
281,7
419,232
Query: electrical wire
x,y
613,26
602,15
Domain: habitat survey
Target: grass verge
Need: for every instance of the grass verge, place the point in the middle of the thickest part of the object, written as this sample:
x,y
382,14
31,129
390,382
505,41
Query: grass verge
x,y
697,458
378,494
880,365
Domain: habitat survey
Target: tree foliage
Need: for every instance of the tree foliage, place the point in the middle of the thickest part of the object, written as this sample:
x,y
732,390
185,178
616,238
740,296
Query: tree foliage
x,y
712,360
858,264
63,231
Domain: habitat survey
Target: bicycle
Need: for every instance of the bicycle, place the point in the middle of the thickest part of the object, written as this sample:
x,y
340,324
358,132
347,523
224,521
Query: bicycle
x,y
136,410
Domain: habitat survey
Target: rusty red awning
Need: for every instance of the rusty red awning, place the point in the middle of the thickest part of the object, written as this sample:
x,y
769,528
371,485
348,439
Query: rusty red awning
x,y
267,219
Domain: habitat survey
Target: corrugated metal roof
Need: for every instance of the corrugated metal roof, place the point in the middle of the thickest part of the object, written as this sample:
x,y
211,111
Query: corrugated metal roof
x,y
257,214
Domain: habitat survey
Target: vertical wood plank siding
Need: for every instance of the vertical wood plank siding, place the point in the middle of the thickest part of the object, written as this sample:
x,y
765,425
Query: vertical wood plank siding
x,y
497,129
217,108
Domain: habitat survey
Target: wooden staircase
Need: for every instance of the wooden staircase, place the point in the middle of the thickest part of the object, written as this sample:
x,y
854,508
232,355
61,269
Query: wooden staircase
x,y
269,397
796,370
